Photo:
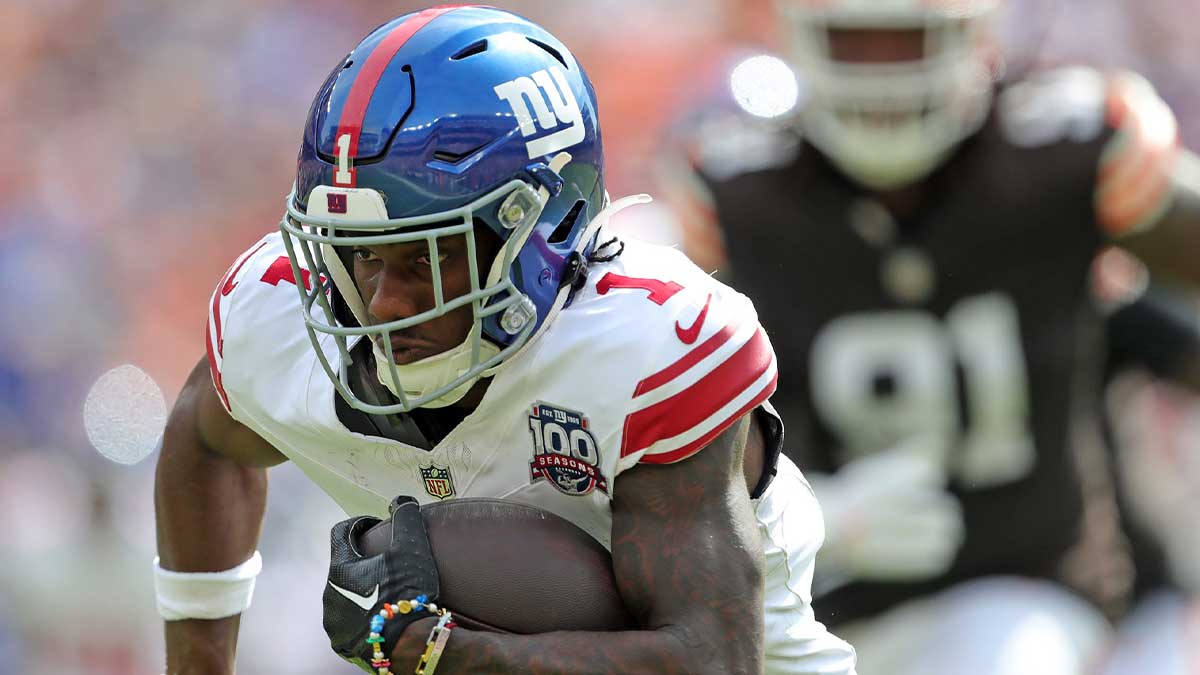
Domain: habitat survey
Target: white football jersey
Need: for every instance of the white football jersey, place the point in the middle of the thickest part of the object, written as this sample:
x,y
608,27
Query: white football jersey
x,y
650,361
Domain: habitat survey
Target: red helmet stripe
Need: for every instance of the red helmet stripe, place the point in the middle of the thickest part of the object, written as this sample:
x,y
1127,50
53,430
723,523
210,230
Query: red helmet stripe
x,y
364,85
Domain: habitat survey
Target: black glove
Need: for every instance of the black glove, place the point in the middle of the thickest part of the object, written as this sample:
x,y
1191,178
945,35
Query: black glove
x,y
359,586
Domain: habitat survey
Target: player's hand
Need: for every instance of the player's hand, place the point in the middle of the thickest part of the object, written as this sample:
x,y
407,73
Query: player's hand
x,y
359,586
889,517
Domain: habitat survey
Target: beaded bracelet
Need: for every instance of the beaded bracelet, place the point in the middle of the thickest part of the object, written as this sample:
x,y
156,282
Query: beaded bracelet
x,y
434,645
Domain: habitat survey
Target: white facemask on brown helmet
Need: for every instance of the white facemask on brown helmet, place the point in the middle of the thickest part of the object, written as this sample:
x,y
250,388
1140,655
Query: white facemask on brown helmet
x,y
890,122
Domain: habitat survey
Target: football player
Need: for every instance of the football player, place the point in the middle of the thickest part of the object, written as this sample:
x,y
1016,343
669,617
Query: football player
x,y
443,315
919,245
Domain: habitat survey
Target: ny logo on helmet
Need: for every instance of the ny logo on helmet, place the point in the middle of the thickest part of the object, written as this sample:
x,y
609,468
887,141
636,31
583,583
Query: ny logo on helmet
x,y
553,104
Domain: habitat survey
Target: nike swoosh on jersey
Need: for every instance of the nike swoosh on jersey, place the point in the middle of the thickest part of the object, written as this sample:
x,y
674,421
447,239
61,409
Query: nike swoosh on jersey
x,y
688,335
367,602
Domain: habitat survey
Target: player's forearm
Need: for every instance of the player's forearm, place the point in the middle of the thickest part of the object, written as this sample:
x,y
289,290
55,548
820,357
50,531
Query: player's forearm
x,y
201,647
658,652
209,512
209,509
690,567
210,487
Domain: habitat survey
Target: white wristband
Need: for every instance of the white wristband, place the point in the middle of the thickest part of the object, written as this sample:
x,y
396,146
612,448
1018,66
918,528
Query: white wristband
x,y
205,595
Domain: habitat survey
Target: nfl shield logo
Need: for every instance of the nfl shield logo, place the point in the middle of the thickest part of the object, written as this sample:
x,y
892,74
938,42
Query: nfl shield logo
x,y
438,482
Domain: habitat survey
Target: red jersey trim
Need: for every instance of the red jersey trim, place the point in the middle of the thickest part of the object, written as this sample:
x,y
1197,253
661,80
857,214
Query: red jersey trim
x,y
214,370
690,449
212,333
690,359
698,403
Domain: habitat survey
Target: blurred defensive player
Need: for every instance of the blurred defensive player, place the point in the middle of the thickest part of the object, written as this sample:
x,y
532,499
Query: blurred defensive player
x,y
921,252
442,315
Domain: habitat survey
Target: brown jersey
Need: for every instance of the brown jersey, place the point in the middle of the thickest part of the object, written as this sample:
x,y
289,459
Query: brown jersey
x,y
966,323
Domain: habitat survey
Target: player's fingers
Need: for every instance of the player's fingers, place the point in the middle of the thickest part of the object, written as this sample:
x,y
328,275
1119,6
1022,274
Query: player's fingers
x,y
881,564
913,504
923,524
917,542
407,523
346,532
918,527
918,530
899,467
933,540
903,517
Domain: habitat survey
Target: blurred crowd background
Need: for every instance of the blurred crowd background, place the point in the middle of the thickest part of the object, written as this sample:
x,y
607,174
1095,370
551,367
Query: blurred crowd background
x,y
150,143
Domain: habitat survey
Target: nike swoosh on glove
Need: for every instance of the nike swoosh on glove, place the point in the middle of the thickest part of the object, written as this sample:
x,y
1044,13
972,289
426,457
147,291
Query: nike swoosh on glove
x,y
359,586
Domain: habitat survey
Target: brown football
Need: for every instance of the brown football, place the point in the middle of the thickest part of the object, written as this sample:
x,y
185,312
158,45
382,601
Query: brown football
x,y
514,568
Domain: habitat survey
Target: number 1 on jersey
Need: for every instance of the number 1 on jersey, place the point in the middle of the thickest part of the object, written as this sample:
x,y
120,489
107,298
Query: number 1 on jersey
x,y
660,291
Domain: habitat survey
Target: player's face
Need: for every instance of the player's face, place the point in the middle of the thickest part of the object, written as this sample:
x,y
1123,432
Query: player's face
x,y
396,282
876,46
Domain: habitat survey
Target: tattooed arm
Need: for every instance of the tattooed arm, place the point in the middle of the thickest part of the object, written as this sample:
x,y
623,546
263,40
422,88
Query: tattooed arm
x,y
688,562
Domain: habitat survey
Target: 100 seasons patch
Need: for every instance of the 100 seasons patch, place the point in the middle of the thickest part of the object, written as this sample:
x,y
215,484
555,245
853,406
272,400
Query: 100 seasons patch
x,y
564,451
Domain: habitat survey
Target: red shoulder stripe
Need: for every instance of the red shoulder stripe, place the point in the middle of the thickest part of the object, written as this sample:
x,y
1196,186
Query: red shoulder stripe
x,y
690,359
687,409
694,446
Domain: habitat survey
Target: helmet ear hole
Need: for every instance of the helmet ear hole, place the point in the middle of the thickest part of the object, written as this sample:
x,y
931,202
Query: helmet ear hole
x,y
567,224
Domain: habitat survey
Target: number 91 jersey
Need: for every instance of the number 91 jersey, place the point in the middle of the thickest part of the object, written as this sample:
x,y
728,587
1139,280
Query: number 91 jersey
x,y
965,327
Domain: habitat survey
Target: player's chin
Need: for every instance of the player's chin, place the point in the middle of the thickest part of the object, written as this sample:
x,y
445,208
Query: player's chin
x,y
406,351
409,355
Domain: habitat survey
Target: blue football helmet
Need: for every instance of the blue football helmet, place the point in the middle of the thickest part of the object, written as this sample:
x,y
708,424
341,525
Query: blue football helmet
x,y
440,122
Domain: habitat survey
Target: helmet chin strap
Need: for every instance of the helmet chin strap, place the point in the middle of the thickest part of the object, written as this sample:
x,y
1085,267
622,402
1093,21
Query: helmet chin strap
x,y
421,377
